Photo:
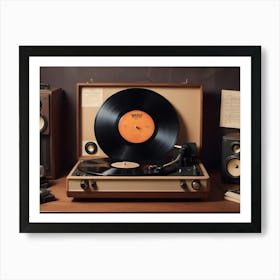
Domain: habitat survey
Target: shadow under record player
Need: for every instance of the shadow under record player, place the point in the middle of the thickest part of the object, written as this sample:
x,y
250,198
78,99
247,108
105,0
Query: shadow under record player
x,y
138,141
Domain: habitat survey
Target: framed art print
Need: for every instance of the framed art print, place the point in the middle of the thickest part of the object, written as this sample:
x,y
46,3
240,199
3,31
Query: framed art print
x,y
140,138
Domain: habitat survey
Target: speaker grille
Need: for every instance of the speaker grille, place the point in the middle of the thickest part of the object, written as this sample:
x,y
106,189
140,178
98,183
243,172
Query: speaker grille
x,y
233,167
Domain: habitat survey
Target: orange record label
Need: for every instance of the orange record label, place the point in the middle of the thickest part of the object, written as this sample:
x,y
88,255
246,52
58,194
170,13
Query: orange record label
x,y
136,126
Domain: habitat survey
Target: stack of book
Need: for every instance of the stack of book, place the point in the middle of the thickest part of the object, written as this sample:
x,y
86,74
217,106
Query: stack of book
x,y
233,195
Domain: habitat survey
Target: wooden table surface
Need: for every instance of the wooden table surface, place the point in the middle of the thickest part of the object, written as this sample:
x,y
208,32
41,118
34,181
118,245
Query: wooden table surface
x,y
213,204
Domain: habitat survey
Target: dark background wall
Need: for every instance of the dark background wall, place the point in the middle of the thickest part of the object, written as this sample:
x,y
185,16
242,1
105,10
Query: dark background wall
x,y
213,80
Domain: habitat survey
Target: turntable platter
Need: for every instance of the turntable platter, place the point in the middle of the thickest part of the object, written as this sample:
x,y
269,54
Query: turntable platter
x,y
105,167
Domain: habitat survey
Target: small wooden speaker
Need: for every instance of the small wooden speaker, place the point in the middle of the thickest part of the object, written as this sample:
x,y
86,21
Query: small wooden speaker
x,y
231,158
50,132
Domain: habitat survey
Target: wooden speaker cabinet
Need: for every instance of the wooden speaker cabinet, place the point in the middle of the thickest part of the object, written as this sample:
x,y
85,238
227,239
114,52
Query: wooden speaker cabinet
x,y
51,131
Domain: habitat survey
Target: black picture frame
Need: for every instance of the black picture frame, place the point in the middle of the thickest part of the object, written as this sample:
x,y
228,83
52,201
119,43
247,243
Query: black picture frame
x,y
254,52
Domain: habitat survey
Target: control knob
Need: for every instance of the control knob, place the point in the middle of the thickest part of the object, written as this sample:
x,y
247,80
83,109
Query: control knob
x,y
196,185
84,185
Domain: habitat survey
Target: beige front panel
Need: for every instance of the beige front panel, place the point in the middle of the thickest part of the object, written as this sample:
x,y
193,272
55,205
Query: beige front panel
x,y
186,101
129,185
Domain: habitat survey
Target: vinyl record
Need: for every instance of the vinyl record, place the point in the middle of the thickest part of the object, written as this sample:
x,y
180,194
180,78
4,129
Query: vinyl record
x,y
106,167
136,124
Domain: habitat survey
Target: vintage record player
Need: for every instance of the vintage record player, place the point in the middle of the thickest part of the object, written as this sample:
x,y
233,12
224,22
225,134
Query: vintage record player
x,y
138,140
